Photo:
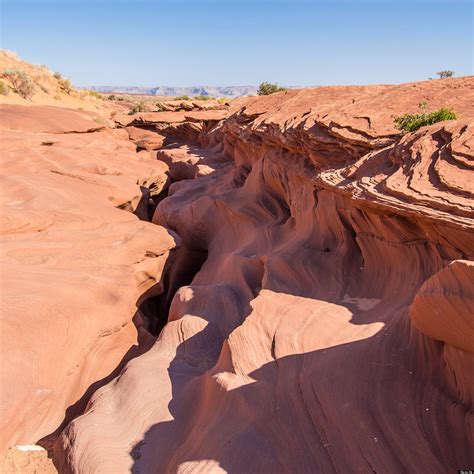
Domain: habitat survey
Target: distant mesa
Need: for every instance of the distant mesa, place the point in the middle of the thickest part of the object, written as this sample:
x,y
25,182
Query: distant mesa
x,y
213,91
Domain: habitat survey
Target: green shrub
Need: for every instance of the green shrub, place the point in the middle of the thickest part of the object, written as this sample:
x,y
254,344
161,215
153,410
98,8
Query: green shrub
x,y
20,82
4,89
182,97
445,74
267,88
223,100
412,122
140,107
203,97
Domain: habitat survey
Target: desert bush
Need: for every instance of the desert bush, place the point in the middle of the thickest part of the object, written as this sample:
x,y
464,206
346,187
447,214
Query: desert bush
x,y
4,89
223,100
182,97
112,97
140,107
267,88
203,97
445,74
20,82
57,97
95,94
412,122
65,85
423,105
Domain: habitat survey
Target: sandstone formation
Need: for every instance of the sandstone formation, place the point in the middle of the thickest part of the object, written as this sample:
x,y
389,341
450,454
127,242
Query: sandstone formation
x,y
26,459
74,264
302,300
319,303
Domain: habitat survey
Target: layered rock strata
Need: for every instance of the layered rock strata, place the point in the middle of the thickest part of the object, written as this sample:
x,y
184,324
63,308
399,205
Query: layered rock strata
x,y
320,302
75,266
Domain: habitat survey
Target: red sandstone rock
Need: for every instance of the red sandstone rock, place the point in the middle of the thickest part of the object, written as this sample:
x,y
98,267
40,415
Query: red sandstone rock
x,y
444,306
290,347
74,265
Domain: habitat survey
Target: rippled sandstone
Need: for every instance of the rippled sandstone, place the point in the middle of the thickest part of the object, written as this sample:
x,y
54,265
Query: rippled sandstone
x,y
75,265
319,303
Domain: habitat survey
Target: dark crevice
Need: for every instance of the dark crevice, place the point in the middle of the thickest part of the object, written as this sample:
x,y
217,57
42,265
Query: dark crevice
x,y
147,204
182,267
150,311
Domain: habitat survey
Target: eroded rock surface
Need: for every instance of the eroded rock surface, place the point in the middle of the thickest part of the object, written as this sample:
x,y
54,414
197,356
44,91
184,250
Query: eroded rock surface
x,y
304,336
75,264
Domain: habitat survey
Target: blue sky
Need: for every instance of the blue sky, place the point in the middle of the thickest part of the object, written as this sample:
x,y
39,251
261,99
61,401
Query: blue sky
x,y
241,42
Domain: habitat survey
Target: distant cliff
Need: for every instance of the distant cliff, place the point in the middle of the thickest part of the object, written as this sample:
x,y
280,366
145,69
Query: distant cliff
x,y
230,91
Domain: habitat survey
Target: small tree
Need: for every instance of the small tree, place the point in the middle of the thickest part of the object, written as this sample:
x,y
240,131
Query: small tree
x,y
20,82
445,74
267,88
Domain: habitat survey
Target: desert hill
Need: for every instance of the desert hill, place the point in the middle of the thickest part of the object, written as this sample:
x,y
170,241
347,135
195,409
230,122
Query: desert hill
x,y
28,84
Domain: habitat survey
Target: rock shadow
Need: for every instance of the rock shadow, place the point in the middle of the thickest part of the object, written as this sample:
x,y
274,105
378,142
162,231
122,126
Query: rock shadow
x,y
372,404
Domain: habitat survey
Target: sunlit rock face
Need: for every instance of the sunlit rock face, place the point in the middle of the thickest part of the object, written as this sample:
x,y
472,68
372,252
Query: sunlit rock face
x,y
326,325
74,263
318,298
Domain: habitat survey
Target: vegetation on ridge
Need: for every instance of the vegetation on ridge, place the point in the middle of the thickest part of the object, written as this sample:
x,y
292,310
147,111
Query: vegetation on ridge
x,y
65,85
267,88
92,93
445,74
140,107
412,122
20,82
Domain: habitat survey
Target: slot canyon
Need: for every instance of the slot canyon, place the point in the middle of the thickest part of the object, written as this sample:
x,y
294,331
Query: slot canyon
x,y
282,284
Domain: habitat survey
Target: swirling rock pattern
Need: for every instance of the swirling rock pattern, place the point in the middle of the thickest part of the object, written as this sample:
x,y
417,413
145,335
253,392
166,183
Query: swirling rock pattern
x,y
329,328
73,263
313,245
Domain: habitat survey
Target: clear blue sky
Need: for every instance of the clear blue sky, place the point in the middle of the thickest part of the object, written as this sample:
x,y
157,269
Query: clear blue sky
x,y
241,42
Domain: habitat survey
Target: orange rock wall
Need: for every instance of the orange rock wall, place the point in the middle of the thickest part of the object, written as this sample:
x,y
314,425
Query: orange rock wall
x,y
308,340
